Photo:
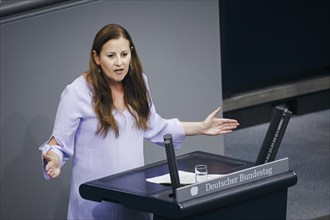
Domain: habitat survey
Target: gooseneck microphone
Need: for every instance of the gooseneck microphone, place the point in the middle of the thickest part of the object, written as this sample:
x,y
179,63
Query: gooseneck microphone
x,y
171,161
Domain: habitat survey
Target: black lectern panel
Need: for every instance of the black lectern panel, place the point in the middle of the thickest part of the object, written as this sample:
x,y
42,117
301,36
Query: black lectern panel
x,y
262,199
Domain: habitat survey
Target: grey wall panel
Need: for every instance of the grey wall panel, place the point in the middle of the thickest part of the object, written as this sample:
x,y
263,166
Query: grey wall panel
x,y
15,7
178,42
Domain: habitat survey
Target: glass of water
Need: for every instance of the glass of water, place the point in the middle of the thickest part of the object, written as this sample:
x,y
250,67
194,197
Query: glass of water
x,y
200,173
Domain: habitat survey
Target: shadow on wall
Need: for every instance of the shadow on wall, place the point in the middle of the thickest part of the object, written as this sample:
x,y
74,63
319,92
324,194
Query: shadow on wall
x,y
25,194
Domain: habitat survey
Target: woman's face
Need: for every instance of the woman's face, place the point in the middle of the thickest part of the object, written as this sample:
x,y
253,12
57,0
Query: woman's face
x,y
114,59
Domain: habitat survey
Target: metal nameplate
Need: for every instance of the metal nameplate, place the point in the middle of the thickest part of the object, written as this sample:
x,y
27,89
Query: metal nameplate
x,y
233,179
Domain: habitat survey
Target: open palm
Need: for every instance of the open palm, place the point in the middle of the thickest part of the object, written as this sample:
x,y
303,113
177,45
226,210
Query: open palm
x,y
216,126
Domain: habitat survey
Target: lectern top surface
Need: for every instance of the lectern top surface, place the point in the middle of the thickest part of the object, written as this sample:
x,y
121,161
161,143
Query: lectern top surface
x,y
134,181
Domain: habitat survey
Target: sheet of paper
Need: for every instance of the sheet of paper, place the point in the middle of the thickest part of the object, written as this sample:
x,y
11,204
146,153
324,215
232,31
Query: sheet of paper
x,y
186,178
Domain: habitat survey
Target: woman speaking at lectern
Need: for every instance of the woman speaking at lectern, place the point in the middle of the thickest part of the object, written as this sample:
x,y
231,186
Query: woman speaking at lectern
x,y
101,113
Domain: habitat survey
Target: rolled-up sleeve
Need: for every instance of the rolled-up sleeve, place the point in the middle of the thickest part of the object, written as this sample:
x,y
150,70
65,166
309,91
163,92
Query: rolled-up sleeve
x,y
44,149
65,127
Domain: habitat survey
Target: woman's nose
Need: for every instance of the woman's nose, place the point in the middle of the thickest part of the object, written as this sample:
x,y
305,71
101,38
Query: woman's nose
x,y
118,61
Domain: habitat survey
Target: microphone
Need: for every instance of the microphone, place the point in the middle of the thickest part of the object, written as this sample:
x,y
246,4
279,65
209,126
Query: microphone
x,y
171,161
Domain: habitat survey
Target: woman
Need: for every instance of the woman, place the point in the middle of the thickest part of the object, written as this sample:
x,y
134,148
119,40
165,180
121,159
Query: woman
x,y
103,117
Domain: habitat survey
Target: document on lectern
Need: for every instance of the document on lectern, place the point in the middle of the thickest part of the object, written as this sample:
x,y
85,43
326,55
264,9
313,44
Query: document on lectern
x,y
186,178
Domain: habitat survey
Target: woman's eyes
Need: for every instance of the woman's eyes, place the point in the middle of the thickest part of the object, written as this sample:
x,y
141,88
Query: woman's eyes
x,y
125,54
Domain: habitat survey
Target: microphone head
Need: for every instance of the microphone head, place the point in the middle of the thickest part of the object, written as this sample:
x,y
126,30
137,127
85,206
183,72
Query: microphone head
x,y
167,137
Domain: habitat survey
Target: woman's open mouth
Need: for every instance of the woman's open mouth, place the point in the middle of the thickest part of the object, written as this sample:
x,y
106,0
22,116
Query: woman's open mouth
x,y
119,71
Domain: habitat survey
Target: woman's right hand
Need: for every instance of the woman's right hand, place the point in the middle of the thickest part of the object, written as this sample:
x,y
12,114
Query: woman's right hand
x,y
53,166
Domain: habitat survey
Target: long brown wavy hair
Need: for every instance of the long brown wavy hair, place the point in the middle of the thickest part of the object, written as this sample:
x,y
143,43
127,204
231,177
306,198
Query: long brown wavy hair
x,y
136,95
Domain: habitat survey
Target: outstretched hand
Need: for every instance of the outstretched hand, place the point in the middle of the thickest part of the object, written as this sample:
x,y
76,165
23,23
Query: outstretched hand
x,y
53,167
217,126
210,126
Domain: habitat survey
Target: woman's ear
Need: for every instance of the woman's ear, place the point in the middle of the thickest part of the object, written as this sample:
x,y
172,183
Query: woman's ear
x,y
96,57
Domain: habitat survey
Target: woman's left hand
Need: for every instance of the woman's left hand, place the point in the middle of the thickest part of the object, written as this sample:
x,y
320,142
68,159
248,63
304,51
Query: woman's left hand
x,y
210,126
217,126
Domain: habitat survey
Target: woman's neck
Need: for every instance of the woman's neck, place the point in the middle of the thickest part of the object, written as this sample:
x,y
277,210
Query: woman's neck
x,y
117,91
118,86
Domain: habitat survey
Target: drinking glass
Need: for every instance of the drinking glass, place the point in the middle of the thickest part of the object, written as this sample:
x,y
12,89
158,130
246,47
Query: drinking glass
x,y
200,173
